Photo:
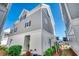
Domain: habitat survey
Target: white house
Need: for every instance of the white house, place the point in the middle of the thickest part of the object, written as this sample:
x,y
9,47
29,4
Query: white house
x,y
70,15
34,29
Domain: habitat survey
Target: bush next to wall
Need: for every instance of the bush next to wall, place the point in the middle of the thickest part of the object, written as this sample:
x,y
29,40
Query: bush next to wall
x,y
49,51
15,50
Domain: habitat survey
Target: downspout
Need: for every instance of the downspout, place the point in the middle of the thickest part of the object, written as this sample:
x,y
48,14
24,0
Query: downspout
x,y
41,30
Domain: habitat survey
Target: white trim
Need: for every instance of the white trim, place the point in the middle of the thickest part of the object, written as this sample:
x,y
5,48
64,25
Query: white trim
x,y
61,12
22,12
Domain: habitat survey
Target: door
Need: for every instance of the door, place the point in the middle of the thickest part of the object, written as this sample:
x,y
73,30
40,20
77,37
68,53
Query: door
x,y
27,42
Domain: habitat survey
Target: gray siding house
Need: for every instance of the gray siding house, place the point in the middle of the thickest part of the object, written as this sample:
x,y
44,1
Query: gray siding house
x,y
4,8
70,15
34,29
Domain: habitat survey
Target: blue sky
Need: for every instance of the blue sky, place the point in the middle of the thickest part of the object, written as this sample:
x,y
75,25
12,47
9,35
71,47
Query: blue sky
x,y
16,9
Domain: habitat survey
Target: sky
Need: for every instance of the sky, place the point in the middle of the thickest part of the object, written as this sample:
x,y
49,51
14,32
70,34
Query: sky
x,y
16,9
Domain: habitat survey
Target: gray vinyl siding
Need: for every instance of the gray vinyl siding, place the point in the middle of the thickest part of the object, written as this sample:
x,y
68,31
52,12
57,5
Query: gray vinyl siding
x,y
3,11
65,16
73,9
47,26
35,19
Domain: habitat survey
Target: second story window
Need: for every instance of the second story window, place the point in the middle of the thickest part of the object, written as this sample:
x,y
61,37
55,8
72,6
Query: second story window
x,y
15,29
11,31
23,17
28,24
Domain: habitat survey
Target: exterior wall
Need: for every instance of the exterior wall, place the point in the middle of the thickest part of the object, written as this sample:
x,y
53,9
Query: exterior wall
x,y
35,19
35,40
65,16
46,20
73,26
47,29
73,9
45,40
38,40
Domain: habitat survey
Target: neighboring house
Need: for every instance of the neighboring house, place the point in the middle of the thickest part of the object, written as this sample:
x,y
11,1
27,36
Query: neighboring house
x,y
34,29
5,36
4,8
70,15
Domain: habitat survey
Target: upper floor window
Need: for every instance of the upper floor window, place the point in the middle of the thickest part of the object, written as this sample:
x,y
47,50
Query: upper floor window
x,y
15,29
28,24
23,17
46,11
6,35
4,4
11,31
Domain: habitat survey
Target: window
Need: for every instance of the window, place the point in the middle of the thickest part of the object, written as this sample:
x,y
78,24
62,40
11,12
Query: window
x,y
46,11
6,34
11,31
10,41
28,24
4,4
49,42
15,29
23,17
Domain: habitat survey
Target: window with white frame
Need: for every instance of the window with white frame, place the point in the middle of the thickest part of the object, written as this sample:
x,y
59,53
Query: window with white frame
x,y
27,24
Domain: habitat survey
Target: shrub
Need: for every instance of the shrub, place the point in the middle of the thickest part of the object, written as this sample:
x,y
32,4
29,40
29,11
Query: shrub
x,y
15,50
52,50
56,45
49,51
